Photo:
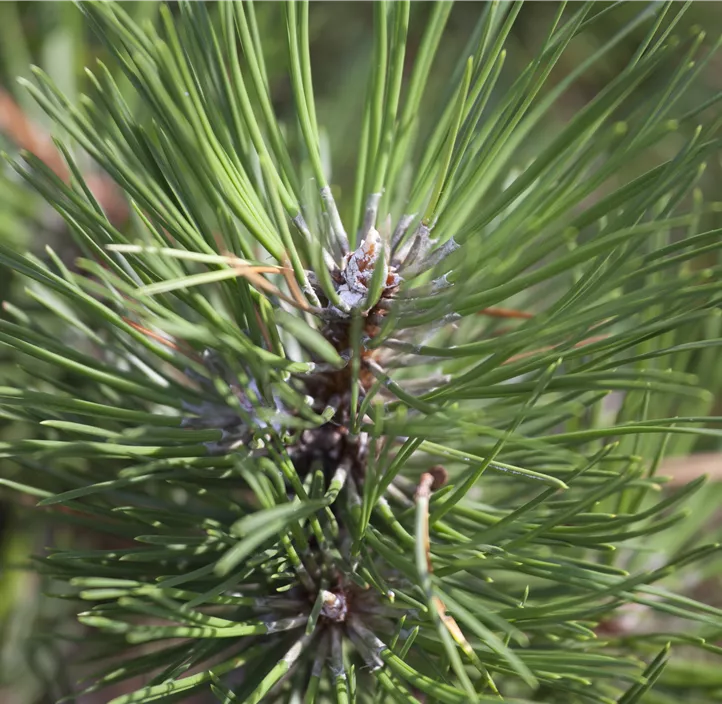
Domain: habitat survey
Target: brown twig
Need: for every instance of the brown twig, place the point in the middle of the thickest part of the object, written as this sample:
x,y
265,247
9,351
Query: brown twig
x,y
531,353
252,272
16,125
293,286
182,348
505,313
684,469
427,483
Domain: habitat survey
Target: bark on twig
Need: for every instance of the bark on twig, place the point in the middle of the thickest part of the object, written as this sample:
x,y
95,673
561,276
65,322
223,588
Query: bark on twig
x,y
683,470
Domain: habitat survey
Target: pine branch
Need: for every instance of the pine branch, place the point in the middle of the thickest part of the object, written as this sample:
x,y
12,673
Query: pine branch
x,y
248,394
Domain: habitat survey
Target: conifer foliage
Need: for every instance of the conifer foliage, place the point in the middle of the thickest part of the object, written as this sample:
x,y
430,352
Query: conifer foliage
x,y
391,444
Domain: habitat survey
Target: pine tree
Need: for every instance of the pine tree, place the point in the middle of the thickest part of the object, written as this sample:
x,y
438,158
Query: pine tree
x,y
392,444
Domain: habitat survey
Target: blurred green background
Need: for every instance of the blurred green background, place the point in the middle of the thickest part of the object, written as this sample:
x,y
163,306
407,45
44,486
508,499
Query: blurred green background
x,y
33,665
